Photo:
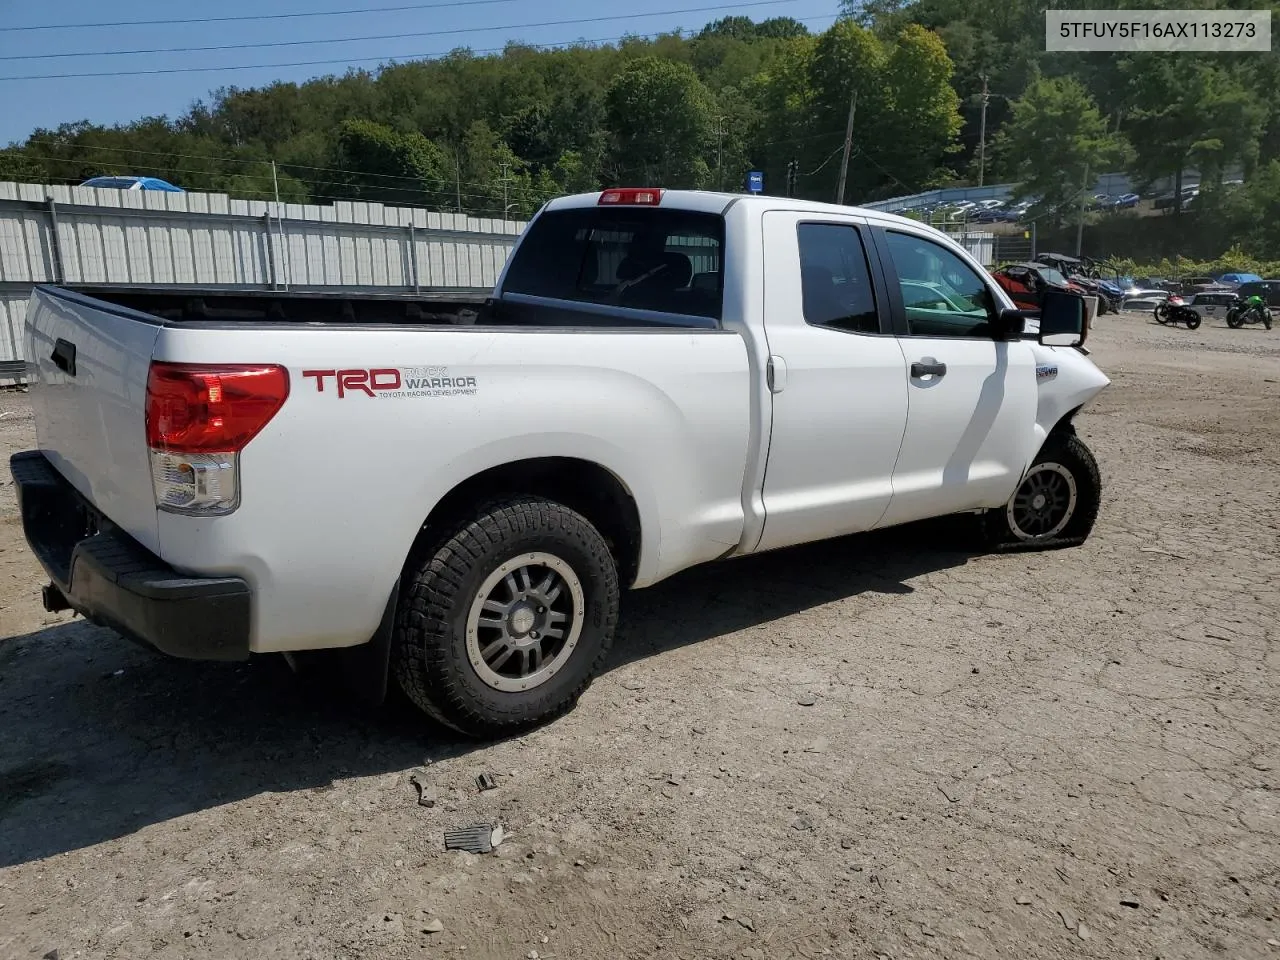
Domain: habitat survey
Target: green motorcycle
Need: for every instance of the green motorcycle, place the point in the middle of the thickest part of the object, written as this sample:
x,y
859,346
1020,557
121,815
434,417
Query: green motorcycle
x,y
1251,310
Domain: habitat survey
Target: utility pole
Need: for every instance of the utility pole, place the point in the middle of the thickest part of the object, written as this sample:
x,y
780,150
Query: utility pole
x,y
284,248
848,147
982,132
720,150
457,166
1084,192
791,178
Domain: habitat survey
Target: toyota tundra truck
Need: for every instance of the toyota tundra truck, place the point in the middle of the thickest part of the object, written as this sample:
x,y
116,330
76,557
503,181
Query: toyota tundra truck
x,y
456,493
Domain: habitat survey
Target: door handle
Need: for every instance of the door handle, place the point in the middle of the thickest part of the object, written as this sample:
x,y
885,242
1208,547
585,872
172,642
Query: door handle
x,y
777,374
923,368
64,356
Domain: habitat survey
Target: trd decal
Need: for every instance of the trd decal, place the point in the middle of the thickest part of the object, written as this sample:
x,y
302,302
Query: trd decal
x,y
392,382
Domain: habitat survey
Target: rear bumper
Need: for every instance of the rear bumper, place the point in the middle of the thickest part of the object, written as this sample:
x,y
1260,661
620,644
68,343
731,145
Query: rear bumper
x,y
109,578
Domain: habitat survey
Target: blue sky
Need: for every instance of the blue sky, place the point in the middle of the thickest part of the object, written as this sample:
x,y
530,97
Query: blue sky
x,y
31,103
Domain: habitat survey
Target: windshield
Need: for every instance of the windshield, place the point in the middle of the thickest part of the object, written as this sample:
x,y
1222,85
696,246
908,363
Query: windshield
x,y
1053,276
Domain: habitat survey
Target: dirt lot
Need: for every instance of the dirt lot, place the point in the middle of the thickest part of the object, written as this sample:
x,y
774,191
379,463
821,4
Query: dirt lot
x,y
1071,754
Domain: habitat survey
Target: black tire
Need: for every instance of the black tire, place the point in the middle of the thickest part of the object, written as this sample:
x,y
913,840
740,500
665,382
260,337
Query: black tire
x,y
1266,319
1067,453
1235,319
1161,314
1193,321
430,654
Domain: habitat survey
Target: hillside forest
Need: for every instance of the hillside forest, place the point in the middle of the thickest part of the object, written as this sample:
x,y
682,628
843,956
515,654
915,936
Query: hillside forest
x,y
499,134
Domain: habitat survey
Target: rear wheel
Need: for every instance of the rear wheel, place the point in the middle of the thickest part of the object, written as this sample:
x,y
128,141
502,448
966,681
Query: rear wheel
x,y
1193,320
1055,505
506,622
1235,319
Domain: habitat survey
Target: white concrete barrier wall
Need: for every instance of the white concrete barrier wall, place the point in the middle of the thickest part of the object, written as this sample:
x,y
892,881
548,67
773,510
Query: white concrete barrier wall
x,y
145,238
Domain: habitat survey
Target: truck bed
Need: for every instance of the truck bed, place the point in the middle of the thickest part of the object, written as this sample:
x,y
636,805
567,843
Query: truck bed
x,y
390,405
179,305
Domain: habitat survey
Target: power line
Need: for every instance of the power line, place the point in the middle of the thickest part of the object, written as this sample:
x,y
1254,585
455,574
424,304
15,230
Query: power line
x,y
866,156
254,16
350,60
819,167
392,36
806,139
214,159
447,184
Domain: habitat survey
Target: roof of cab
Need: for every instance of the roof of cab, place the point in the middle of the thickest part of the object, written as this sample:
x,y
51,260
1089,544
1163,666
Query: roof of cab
x,y
711,201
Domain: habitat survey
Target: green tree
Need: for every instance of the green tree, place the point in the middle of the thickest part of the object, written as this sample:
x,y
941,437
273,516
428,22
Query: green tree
x,y
659,114
781,28
497,182
573,174
781,128
1188,110
1252,214
1057,141
16,165
906,113
384,166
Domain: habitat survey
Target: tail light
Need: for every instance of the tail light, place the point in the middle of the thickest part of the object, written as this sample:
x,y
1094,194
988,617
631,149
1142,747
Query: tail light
x,y
631,196
199,417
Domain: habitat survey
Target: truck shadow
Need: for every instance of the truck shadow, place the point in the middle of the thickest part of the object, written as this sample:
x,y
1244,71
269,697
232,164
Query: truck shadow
x,y
101,738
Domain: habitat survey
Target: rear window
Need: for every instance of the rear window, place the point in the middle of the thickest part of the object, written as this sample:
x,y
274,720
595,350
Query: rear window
x,y
665,261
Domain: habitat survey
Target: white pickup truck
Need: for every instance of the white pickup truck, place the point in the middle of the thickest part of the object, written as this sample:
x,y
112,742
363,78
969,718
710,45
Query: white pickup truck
x,y
659,379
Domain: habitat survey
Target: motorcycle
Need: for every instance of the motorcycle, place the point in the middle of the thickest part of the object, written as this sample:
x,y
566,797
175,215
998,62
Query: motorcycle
x,y
1245,311
1175,310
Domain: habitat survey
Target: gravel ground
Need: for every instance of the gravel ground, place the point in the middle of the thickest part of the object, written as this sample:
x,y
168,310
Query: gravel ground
x,y
876,746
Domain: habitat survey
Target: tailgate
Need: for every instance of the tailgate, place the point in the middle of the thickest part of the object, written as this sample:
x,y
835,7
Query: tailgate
x,y
88,392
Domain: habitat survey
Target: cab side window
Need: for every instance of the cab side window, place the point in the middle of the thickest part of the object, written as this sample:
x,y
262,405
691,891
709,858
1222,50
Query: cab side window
x,y
836,279
943,295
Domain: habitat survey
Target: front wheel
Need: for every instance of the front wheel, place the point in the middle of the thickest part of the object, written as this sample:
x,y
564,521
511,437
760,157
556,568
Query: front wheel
x,y
506,622
1235,319
1162,314
1057,503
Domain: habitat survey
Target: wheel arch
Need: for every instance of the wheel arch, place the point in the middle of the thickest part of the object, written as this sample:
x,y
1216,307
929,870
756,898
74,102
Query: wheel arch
x,y
582,485
1061,427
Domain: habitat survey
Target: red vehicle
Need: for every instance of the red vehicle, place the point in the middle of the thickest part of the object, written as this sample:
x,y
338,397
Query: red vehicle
x,y
1026,282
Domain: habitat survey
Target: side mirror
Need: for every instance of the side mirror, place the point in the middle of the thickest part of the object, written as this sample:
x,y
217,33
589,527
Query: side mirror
x,y
1009,324
1064,318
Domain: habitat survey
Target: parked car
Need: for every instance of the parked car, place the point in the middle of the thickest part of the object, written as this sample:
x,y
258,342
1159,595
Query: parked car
x,y
133,183
1144,298
604,422
1125,201
1166,200
990,215
1236,279
1211,305
1025,283
1269,290
1190,286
